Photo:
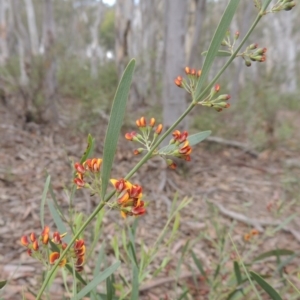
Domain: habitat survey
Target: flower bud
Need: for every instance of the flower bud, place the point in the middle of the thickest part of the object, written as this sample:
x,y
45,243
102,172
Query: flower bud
x,y
131,136
79,168
187,70
35,245
24,240
32,237
224,97
199,73
158,129
152,122
248,63
289,6
141,122
178,82
138,151
236,35
260,51
171,164
253,46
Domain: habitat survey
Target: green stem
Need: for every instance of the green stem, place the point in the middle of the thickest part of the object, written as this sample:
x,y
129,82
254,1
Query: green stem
x,y
144,159
245,269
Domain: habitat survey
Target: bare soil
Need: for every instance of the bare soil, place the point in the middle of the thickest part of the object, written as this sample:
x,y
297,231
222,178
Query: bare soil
x,y
236,186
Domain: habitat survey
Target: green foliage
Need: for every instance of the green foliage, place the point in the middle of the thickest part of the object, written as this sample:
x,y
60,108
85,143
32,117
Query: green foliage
x,y
115,124
107,30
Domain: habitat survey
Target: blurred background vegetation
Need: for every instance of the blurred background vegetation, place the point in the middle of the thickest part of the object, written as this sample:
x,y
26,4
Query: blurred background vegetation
x,y
65,57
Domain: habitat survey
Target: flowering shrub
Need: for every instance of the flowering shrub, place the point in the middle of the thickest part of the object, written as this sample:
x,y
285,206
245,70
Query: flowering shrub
x,y
127,197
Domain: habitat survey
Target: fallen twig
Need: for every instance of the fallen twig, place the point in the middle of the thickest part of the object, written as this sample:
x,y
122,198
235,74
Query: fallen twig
x,y
234,144
258,224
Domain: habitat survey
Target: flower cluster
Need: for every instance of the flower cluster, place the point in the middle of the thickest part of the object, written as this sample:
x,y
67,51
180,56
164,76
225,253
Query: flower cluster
x,y
38,247
89,166
188,84
179,146
253,53
218,103
251,234
128,198
144,137
283,5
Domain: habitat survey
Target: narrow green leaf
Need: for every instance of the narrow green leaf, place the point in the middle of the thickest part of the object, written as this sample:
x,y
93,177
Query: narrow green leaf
x,y
132,254
284,223
193,139
198,264
265,286
96,281
44,196
135,283
55,200
2,284
216,273
89,149
265,4
109,289
99,260
215,43
183,295
237,272
58,221
276,252
233,293
197,138
114,125
287,261
219,53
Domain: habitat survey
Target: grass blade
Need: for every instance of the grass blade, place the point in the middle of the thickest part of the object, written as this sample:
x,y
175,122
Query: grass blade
x,y
115,123
58,221
44,196
277,252
265,286
98,279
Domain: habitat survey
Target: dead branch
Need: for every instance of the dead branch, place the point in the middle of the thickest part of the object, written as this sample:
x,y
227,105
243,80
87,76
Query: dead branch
x,y
246,148
258,224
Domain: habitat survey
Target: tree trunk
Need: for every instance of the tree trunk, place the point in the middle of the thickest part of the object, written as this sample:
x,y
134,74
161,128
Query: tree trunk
x,y
95,41
200,10
50,82
123,17
21,36
3,30
32,27
174,60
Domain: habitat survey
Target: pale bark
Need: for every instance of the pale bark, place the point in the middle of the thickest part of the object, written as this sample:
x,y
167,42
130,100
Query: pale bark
x,y
193,49
282,56
95,49
123,17
3,33
50,81
33,33
21,36
145,27
174,59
